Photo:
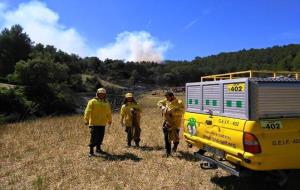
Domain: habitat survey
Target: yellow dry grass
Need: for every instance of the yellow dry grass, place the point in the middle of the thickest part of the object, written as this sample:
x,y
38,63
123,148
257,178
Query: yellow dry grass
x,y
8,86
51,153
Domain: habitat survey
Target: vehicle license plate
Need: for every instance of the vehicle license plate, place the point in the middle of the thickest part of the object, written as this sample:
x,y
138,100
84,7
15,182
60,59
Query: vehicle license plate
x,y
271,124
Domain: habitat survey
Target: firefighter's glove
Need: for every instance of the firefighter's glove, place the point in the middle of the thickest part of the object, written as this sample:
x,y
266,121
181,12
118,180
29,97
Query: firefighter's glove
x,y
163,109
132,111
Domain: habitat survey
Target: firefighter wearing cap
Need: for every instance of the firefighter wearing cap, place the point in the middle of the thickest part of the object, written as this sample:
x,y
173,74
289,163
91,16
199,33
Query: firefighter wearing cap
x,y
130,119
172,110
97,115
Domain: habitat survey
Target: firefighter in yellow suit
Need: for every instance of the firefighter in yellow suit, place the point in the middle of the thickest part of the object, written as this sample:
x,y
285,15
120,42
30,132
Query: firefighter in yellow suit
x,y
172,109
97,115
130,118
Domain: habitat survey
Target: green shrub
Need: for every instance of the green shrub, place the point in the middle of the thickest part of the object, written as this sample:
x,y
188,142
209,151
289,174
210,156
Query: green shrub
x,y
13,105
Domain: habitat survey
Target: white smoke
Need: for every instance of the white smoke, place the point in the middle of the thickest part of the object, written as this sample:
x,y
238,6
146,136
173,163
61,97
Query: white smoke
x,y
135,46
42,25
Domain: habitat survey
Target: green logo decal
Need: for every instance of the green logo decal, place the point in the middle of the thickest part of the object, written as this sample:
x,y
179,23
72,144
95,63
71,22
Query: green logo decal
x,y
192,125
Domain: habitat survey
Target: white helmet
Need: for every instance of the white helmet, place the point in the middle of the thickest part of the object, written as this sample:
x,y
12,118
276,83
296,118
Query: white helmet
x,y
101,91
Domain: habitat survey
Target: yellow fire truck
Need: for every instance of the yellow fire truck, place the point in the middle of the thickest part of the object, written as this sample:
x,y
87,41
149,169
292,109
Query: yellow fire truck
x,y
245,120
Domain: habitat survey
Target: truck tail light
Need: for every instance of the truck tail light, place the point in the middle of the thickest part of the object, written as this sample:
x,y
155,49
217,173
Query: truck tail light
x,y
251,143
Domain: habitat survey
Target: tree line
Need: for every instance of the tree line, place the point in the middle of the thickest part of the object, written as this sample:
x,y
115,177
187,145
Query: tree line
x,y
46,78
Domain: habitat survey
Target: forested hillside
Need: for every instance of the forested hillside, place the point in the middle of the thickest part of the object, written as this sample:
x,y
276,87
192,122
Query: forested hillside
x,y
41,80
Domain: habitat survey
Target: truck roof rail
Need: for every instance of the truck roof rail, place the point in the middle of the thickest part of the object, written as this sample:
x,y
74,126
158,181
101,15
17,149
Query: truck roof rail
x,y
252,74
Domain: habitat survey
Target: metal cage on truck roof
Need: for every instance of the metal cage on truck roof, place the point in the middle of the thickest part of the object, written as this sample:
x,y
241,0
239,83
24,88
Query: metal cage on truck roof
x,y
246,98
251,74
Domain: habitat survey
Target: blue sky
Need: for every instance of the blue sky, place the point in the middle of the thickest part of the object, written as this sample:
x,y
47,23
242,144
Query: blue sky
x,y
156,29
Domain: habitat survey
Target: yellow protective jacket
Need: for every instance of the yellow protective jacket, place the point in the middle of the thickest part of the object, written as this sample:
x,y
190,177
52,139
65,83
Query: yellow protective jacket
x,y
126,115
174,111
97,112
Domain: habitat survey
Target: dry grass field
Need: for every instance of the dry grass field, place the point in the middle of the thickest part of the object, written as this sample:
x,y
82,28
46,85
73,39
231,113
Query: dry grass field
x,y
51,153
4,85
